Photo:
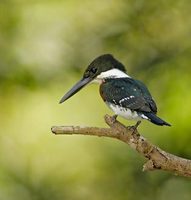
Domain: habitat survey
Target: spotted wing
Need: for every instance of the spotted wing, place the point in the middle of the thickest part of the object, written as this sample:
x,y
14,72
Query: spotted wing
x,y
128,93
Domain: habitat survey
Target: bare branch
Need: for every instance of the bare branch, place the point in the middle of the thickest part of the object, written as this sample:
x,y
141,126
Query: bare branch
x,y
156,158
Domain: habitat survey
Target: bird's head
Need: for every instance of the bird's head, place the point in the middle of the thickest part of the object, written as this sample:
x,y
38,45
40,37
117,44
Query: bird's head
x,y
103,67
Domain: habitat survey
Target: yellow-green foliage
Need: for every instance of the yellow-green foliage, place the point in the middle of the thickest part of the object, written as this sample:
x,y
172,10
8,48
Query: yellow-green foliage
x,y
44,48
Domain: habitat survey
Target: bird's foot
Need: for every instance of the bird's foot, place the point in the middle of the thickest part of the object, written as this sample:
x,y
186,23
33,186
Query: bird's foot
x,y
134,128
114,117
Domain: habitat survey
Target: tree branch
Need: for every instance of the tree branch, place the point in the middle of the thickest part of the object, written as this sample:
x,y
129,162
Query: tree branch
x,y
156,157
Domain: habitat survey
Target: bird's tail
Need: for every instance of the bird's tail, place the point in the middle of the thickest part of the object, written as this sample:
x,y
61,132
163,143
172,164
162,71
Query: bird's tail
x,y
156,120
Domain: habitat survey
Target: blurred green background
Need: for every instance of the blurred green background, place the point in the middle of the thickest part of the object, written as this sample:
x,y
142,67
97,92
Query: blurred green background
x,y
44,48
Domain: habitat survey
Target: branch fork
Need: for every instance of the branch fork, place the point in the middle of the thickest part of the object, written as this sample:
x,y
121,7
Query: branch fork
x,y
157,159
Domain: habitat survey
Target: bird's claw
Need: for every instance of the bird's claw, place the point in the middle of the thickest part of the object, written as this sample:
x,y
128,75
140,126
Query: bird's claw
x,y
114,117
134,128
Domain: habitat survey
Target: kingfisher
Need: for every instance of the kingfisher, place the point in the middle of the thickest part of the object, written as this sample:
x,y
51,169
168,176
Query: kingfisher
x,y
124,95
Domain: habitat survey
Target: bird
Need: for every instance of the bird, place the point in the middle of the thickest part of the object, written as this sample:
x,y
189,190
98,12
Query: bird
x,y
124,95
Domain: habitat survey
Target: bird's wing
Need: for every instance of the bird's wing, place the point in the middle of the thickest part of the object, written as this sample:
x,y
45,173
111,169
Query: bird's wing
x,y
128,93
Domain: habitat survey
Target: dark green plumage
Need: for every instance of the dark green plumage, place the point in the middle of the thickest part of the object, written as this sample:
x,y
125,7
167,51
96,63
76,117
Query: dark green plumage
x,y
128,93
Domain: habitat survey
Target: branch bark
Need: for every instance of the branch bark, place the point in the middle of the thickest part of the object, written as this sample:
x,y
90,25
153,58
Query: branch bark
x,y
156,157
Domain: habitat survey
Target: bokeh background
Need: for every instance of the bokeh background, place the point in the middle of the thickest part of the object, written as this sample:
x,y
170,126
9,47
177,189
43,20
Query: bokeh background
x,y
44,48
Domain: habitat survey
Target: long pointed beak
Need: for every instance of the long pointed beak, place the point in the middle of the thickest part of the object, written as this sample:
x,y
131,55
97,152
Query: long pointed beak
x,y
78,86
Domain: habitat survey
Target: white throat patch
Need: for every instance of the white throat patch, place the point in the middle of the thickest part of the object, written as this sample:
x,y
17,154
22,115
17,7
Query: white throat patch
x,y
113,73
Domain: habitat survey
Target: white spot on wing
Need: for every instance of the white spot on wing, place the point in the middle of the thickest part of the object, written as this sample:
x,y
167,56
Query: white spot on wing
x,y
114,101
144,116
126,98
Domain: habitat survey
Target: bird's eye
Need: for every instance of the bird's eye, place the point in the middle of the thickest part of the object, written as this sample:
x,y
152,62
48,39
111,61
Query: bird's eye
x,y
94,70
